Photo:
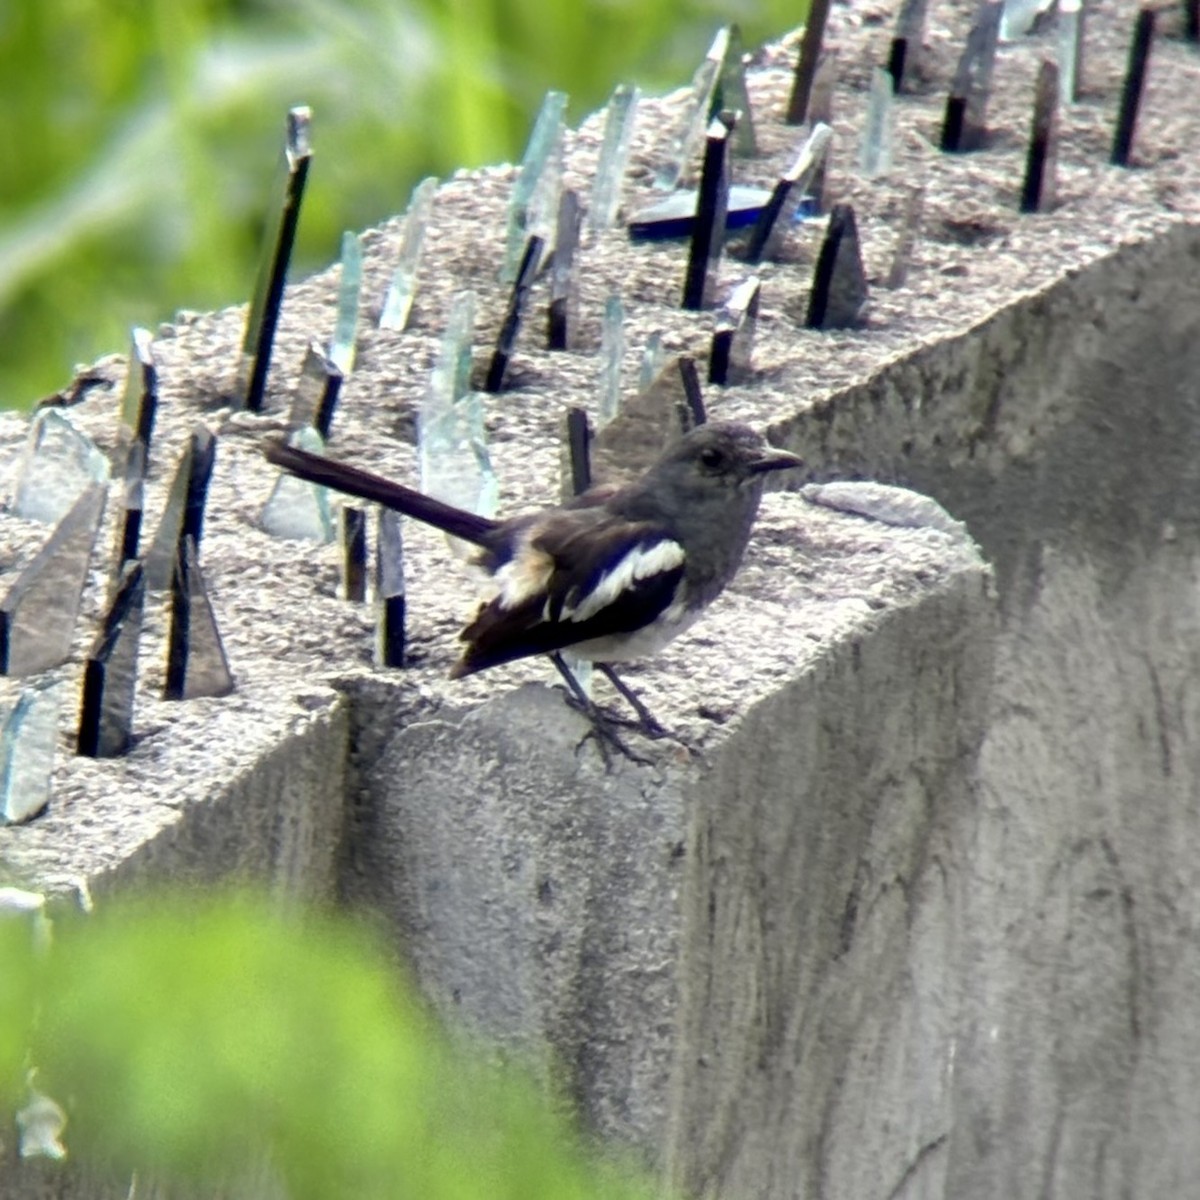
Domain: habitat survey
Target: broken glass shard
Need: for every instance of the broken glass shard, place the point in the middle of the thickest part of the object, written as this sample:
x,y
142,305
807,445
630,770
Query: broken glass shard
x,y
262,317
110,675
733,337
184,511
57,463
692,410
1131,91
354,554
1020,17
675,217
1037,190
696,116
579,457
534,182
296,509
317,391
133,492
397,304
839,290
196,662
506,340
730,93
40,1124
38,614
799,104
564,273
876,156
905,59
391,635
783,209
455,464
1070,49
910,230
612,351
139,405
708,237
620,118
965,124
344,344
450,378
28,740
652,360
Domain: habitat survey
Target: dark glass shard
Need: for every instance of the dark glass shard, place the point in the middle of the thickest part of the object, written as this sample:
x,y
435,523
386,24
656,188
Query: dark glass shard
x,y
708,238
279,237
38,614
317,392
196,662
579,450
184,512
354,554
733,338
839,290
56,464
965,124
675,217
110,675
1191,20
731,93
28,741
129,528
693,397
1037,190
564,272
806,64
905,58
391,643
782,210
910,230
1135,82
507,340
139,405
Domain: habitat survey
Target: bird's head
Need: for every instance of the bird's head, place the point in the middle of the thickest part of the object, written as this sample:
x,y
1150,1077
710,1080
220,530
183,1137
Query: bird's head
x,y
719,457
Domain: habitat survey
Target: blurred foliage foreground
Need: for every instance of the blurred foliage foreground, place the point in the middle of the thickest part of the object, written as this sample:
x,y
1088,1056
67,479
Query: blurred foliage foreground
x,y
138,139
219,1045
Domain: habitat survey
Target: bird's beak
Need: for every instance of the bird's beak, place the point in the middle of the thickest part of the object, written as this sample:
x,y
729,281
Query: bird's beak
x,y
772,459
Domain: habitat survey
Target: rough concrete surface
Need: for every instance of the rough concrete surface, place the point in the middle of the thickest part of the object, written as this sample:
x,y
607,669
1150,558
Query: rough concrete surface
x,y
908,904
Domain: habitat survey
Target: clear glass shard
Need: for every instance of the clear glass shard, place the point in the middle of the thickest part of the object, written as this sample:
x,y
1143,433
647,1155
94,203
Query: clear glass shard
x,y
731,94
184,511
697,116
58,462
612,351
317,391
398,302
139,404
110,675
530,192
910,230
391,637
450,378
875,158
839,290
619,122
279,236
652,360
455,464
1020,17
28,741
40,1124
1070,50
298,510
196,661
733,336
582,669
792,189
708,237
345,329
38,614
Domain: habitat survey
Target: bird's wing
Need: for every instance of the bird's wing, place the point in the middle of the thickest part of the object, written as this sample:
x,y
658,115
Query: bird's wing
x,y
571,581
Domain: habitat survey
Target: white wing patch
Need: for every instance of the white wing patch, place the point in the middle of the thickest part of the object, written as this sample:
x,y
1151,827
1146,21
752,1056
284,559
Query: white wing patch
x,y
640,562
525,575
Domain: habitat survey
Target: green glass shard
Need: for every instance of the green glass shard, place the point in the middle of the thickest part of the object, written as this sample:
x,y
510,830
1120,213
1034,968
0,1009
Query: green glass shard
x,y
296,509
619,121
345,330
58,462
397,304
875,158
683,144
28,740
612,351
534,201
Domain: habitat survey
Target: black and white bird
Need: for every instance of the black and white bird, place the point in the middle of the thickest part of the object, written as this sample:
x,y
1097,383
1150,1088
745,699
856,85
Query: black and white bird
x,y
612,575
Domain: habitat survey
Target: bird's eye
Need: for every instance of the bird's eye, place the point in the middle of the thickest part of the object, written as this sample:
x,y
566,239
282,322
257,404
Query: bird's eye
x,y
711,458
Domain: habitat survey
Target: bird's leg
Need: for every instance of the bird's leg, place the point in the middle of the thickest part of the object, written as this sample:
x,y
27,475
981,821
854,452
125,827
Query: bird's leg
x,y
606,735
650,726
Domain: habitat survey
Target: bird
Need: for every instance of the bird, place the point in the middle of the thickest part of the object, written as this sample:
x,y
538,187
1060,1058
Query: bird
x,y
611,575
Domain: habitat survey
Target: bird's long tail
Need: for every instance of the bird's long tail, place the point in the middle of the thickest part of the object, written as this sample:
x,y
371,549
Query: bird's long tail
x,y
355,482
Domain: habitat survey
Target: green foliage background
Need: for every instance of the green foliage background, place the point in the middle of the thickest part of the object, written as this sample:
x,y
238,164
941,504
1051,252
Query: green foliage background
x,y
138,137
